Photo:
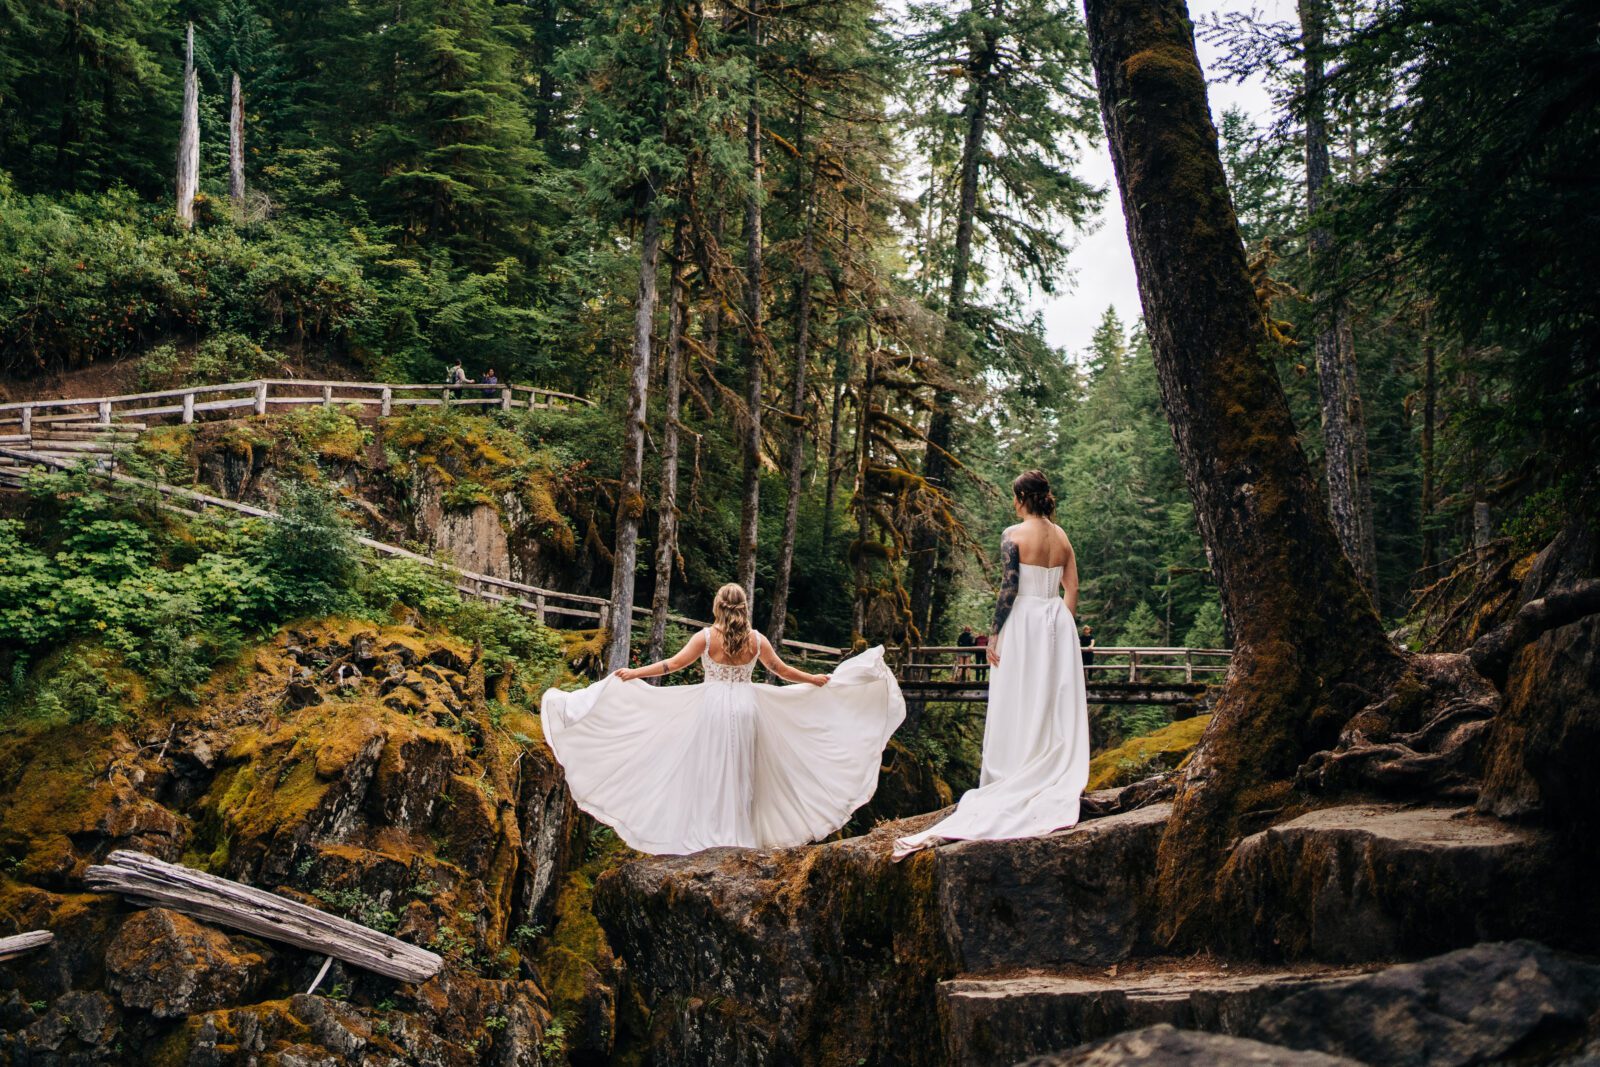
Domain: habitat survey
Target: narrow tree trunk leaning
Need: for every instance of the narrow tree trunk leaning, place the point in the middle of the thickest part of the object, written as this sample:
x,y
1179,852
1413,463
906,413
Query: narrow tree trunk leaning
x,y
1430,392
860,551
750,506
20,944
630,499
189,138
927,548
797,413
1309,648
236,147
1344,429
667,506
146,880
841,379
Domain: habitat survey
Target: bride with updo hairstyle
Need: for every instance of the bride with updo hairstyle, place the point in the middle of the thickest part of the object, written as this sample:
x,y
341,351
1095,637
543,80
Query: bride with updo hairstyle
x,y
1036,735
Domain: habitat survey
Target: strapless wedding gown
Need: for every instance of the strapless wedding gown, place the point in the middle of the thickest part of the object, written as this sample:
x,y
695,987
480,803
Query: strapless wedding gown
x,y
1036,737
728,761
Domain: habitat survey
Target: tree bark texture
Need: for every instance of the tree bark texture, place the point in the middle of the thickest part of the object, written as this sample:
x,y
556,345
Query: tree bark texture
x,y
630,498
667,507
796,458
236,145
1344,430
927,547
1309,647
189,139
750,505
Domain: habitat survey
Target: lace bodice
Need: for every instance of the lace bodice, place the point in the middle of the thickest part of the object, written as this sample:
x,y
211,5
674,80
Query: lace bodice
x,y
727,672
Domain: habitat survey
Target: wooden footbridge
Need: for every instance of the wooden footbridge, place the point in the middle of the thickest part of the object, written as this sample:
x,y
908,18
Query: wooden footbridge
x,y
68,433
1117,675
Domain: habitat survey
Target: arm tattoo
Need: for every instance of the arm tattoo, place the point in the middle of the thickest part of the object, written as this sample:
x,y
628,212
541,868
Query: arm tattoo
x,y
1010,577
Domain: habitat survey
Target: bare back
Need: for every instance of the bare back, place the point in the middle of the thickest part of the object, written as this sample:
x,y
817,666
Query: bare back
x,y
1040,543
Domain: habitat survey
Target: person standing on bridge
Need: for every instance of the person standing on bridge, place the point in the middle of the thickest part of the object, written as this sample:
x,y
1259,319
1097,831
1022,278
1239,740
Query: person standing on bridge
x,y
676,769
1036,736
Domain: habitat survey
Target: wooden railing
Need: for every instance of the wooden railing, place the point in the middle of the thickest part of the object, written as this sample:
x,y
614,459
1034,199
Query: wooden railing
x,y
544,604
19,418
1117,675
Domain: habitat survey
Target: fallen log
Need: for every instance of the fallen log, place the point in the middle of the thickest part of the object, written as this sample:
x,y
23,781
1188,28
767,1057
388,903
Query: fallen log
x,y
146,880
16,946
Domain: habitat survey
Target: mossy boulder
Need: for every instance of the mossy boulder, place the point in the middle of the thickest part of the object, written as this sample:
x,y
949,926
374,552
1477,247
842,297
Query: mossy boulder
x,y
171,965
1160,750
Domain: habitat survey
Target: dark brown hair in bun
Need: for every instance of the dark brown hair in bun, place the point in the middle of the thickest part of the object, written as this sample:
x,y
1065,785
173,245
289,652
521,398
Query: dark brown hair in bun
x,y
1032,490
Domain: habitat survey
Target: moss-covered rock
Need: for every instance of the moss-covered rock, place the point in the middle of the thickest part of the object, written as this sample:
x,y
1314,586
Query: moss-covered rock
x,y
1160,750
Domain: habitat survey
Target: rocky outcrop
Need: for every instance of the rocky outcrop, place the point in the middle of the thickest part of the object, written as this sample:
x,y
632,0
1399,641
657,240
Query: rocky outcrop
x,y
1516,1002
1164,1046
170,965
348,766
1003,1019
1371,881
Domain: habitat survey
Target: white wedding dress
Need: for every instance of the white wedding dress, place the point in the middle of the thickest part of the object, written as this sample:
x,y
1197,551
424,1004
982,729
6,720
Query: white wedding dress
x,y
727,761
1036,738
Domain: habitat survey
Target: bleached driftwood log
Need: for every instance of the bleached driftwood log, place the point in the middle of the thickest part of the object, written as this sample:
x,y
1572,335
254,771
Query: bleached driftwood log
x,y
147,880
16,946
236,146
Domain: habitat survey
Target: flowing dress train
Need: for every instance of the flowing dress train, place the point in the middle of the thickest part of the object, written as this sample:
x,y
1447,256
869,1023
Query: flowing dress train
x,y
727,761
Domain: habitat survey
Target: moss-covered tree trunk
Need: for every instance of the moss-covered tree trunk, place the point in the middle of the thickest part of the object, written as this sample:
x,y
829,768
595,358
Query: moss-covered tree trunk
x,y
750,502
1309,647
667,506
630,499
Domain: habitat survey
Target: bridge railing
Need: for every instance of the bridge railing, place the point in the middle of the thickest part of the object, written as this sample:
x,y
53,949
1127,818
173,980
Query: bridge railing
x,y
18,419
1111,664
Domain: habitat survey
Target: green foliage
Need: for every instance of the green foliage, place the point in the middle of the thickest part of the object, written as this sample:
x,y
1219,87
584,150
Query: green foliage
x,y
1141,629
1206,631
313,543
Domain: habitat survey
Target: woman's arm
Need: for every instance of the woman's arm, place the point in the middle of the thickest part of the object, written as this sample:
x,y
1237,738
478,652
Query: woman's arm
x,y
773,663
1010,579
1069,580
684,656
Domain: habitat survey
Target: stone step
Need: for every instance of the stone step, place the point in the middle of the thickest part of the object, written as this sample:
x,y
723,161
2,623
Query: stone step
x,y
988,1020
1078,896
1376,881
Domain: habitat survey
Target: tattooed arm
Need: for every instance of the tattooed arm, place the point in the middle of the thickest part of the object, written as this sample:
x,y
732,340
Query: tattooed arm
x,y
1010,577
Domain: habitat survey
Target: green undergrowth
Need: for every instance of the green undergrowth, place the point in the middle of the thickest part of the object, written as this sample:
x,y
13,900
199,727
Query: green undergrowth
x,y
110,606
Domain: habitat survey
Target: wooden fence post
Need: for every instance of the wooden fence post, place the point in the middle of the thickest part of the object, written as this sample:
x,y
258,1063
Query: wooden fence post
x,y
1188,664
188,408
1133,665
105,411
538,607
27,424
505,399
261,398
327,395
388,401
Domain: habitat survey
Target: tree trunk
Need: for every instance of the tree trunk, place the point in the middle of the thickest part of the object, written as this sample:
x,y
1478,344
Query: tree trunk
x,y
841,378
750,506
236,146
189,138
797,411
928,566
1344,431
630,499
860,557
1308,645
667,507
1430,393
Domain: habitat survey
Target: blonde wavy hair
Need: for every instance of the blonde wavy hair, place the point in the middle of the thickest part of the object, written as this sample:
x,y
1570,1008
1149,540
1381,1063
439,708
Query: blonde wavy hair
x,y
731,612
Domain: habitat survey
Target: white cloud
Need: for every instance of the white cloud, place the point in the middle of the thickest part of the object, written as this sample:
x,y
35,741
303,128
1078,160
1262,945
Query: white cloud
x,y
1101,266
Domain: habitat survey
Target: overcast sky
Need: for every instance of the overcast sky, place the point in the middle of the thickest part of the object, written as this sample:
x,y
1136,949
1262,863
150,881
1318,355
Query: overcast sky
x,y
1101,267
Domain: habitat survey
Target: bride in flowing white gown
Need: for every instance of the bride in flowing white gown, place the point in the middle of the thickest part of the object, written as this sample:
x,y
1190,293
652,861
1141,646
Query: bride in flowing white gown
x,y
1036,738
727,761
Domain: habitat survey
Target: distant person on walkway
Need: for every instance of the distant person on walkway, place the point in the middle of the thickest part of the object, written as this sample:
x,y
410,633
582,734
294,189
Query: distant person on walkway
x,y
1086,644
981,643
966,640
490,378
456,375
